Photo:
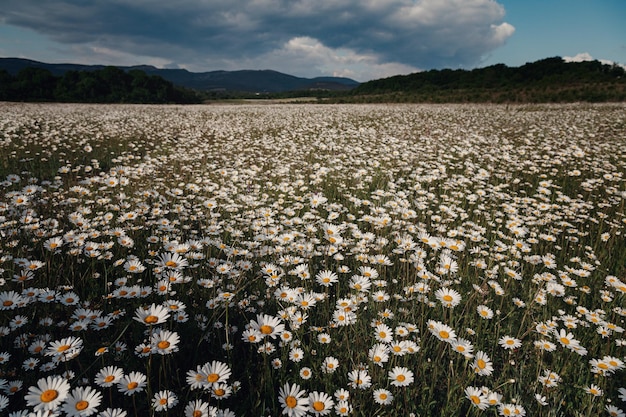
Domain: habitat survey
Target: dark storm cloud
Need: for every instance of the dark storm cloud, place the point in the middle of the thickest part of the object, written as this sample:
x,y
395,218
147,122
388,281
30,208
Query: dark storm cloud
x,y
410,33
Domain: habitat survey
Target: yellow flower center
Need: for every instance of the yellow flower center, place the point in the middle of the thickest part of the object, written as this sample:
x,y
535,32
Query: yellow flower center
x,y
318,406
197,413
163,344
443,334
49,395
63,348
401,378
7,303
81,405
383,396
219,392
212,378
291,401
132,385
564,340
170,264
109,378
475,399
481,364
151,319
266,329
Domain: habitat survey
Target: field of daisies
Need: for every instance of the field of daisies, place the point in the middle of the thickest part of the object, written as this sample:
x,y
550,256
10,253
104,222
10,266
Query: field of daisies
x,y
302,260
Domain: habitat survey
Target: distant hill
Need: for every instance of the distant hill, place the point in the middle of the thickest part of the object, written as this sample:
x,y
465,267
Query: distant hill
x,y
261,81
546,80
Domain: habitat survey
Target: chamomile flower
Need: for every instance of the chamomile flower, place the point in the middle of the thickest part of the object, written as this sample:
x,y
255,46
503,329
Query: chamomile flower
x,y
359,378
509,343
10,300
594,390
400,376
477,397
296,354
382,396
379,354
172,261
305,373
511,410
164,400
152,315
448,297
82,401
108,376
113,412
4,402
330,365
464,347
320,403
293,400
383,333
326,278
164,342
49,393
65,349
441,331
484,312
267,326
214,373
221,391
343,408
132,383
198,408
614,411
482,364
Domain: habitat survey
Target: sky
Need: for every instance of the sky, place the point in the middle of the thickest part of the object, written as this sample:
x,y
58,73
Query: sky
x,y
359,39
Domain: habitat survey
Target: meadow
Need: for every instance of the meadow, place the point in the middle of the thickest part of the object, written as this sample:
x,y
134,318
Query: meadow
x,y
349,260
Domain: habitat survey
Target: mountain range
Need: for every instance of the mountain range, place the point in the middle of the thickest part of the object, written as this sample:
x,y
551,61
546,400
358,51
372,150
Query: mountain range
x,y
261,81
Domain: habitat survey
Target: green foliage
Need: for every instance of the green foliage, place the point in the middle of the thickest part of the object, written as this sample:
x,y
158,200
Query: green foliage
x,y
550,80
108,85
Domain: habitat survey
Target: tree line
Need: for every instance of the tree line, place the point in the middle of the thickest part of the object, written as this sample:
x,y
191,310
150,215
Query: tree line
x,y
107,85
547,80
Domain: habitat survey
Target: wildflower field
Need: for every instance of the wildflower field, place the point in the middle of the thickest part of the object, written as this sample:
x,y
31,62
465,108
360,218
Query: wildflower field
x,y
351,260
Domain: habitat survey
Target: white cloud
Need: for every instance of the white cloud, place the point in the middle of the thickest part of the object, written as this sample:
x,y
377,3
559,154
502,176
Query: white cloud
x,y
368,38
311,56
586,56
502,32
